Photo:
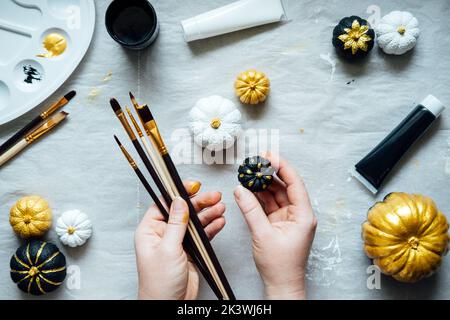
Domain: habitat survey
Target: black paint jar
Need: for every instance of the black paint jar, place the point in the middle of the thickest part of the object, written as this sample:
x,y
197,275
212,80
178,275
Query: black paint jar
x,y
132,23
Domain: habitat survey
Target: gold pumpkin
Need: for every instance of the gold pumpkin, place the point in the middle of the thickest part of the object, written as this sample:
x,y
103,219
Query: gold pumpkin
x,y
406,236
30,217
252,87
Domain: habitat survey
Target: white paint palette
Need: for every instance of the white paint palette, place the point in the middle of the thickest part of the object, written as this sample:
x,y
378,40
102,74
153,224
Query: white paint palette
x,y
26,80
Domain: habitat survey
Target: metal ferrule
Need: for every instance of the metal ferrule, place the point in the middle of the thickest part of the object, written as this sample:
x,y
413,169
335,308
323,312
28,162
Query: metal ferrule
x,y
46,127
153,132
53,109
128,156
135,124
126,125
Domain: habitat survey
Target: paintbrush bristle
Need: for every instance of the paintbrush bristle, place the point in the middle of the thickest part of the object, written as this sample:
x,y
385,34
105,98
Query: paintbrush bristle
x,y
145,114
117,140
115,105
70,95
133,100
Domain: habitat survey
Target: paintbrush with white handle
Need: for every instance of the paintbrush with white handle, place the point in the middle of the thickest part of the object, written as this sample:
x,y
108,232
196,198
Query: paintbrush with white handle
x,y
32,137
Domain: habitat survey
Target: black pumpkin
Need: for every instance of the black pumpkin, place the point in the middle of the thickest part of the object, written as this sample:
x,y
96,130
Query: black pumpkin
x,y
256,174
38,267
353,38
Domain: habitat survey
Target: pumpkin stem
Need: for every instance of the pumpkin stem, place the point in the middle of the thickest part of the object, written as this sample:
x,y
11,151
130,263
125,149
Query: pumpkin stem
x,y
401,30
27,219
215,123
33,271
414,242
71,230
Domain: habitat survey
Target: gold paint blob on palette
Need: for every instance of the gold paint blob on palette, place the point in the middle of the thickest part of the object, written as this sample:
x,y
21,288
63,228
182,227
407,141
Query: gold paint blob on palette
x,y
48,39
55,44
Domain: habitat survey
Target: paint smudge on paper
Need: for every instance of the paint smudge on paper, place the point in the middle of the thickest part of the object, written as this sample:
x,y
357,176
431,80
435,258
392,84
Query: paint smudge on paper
x,y
323,263
107,77
331,62
94,93
294,50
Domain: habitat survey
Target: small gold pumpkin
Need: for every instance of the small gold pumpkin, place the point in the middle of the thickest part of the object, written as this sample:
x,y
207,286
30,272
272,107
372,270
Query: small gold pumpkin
x,y
252,87
406,236
30,217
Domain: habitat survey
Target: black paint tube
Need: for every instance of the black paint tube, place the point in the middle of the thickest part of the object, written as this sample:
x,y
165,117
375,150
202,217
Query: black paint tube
x,y
374,168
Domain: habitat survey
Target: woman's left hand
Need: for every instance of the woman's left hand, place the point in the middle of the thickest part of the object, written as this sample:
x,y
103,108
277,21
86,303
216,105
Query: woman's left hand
x,y
165,271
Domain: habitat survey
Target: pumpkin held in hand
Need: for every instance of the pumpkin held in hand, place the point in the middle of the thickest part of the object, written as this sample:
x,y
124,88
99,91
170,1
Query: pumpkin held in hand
x,y
406,236
353,38
38,267
30,217
256,174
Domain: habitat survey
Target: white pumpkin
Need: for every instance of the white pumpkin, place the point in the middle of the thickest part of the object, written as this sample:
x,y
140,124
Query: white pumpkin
x,y
215,123
397,32
74,228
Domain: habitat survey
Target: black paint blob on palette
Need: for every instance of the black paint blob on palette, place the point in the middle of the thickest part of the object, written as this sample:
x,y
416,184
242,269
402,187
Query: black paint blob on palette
x,y
31,74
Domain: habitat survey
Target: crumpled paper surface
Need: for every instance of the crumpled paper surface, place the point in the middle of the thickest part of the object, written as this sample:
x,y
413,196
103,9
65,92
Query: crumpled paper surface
x,y
329,115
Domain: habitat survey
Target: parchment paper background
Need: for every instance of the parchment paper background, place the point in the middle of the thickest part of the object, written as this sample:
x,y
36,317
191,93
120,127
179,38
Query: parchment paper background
x,y
342,114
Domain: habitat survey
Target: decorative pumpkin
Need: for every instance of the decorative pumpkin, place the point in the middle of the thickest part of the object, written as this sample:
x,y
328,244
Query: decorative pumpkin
x,y
256,174
252,87
214,123
398,32
406,235
30,217
353,38
74,228
38,267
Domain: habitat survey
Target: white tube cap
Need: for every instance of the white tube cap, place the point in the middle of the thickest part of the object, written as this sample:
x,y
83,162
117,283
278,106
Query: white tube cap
x,y
433,105
191,30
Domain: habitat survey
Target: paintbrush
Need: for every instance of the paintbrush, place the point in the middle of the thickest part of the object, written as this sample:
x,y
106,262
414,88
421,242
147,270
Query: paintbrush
x,y
36,121
32,137
154,156
126,125
188,243
195,226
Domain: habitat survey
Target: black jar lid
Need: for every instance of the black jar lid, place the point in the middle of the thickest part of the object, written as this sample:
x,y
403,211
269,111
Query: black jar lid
x,y
124,28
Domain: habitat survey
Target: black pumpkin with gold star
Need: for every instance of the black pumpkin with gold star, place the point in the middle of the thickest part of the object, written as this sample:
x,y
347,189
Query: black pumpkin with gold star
x,y
353,38
38,267
256,174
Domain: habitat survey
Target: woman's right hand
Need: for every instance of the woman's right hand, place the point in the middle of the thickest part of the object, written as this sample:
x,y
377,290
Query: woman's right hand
x,y
282,224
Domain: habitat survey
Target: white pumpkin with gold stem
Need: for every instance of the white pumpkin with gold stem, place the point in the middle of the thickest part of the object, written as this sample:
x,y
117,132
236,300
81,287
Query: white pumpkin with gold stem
x,y
74,228
398,32
214,123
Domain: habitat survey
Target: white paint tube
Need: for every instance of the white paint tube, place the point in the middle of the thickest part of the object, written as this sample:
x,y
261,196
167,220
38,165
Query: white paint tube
x,y
236,16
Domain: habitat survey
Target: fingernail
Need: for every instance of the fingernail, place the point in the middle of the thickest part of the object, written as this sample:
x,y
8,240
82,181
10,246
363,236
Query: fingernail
x,y
195,187
239,191
178,205
179,209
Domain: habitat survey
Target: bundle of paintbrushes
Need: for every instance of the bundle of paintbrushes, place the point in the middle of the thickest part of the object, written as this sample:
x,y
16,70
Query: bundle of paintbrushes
x,y
162,170
35,129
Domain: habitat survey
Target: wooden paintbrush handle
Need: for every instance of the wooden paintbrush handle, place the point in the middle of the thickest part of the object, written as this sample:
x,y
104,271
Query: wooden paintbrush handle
x,y
188,242
198,226
19,135
13,151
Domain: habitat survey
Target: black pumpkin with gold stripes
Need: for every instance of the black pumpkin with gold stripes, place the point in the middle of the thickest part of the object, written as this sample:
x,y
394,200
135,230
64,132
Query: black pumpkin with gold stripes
x,y
38,267
256,174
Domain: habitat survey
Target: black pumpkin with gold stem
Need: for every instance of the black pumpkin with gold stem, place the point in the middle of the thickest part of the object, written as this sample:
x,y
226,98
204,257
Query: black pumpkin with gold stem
x,y
38,267
256,174
353,38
